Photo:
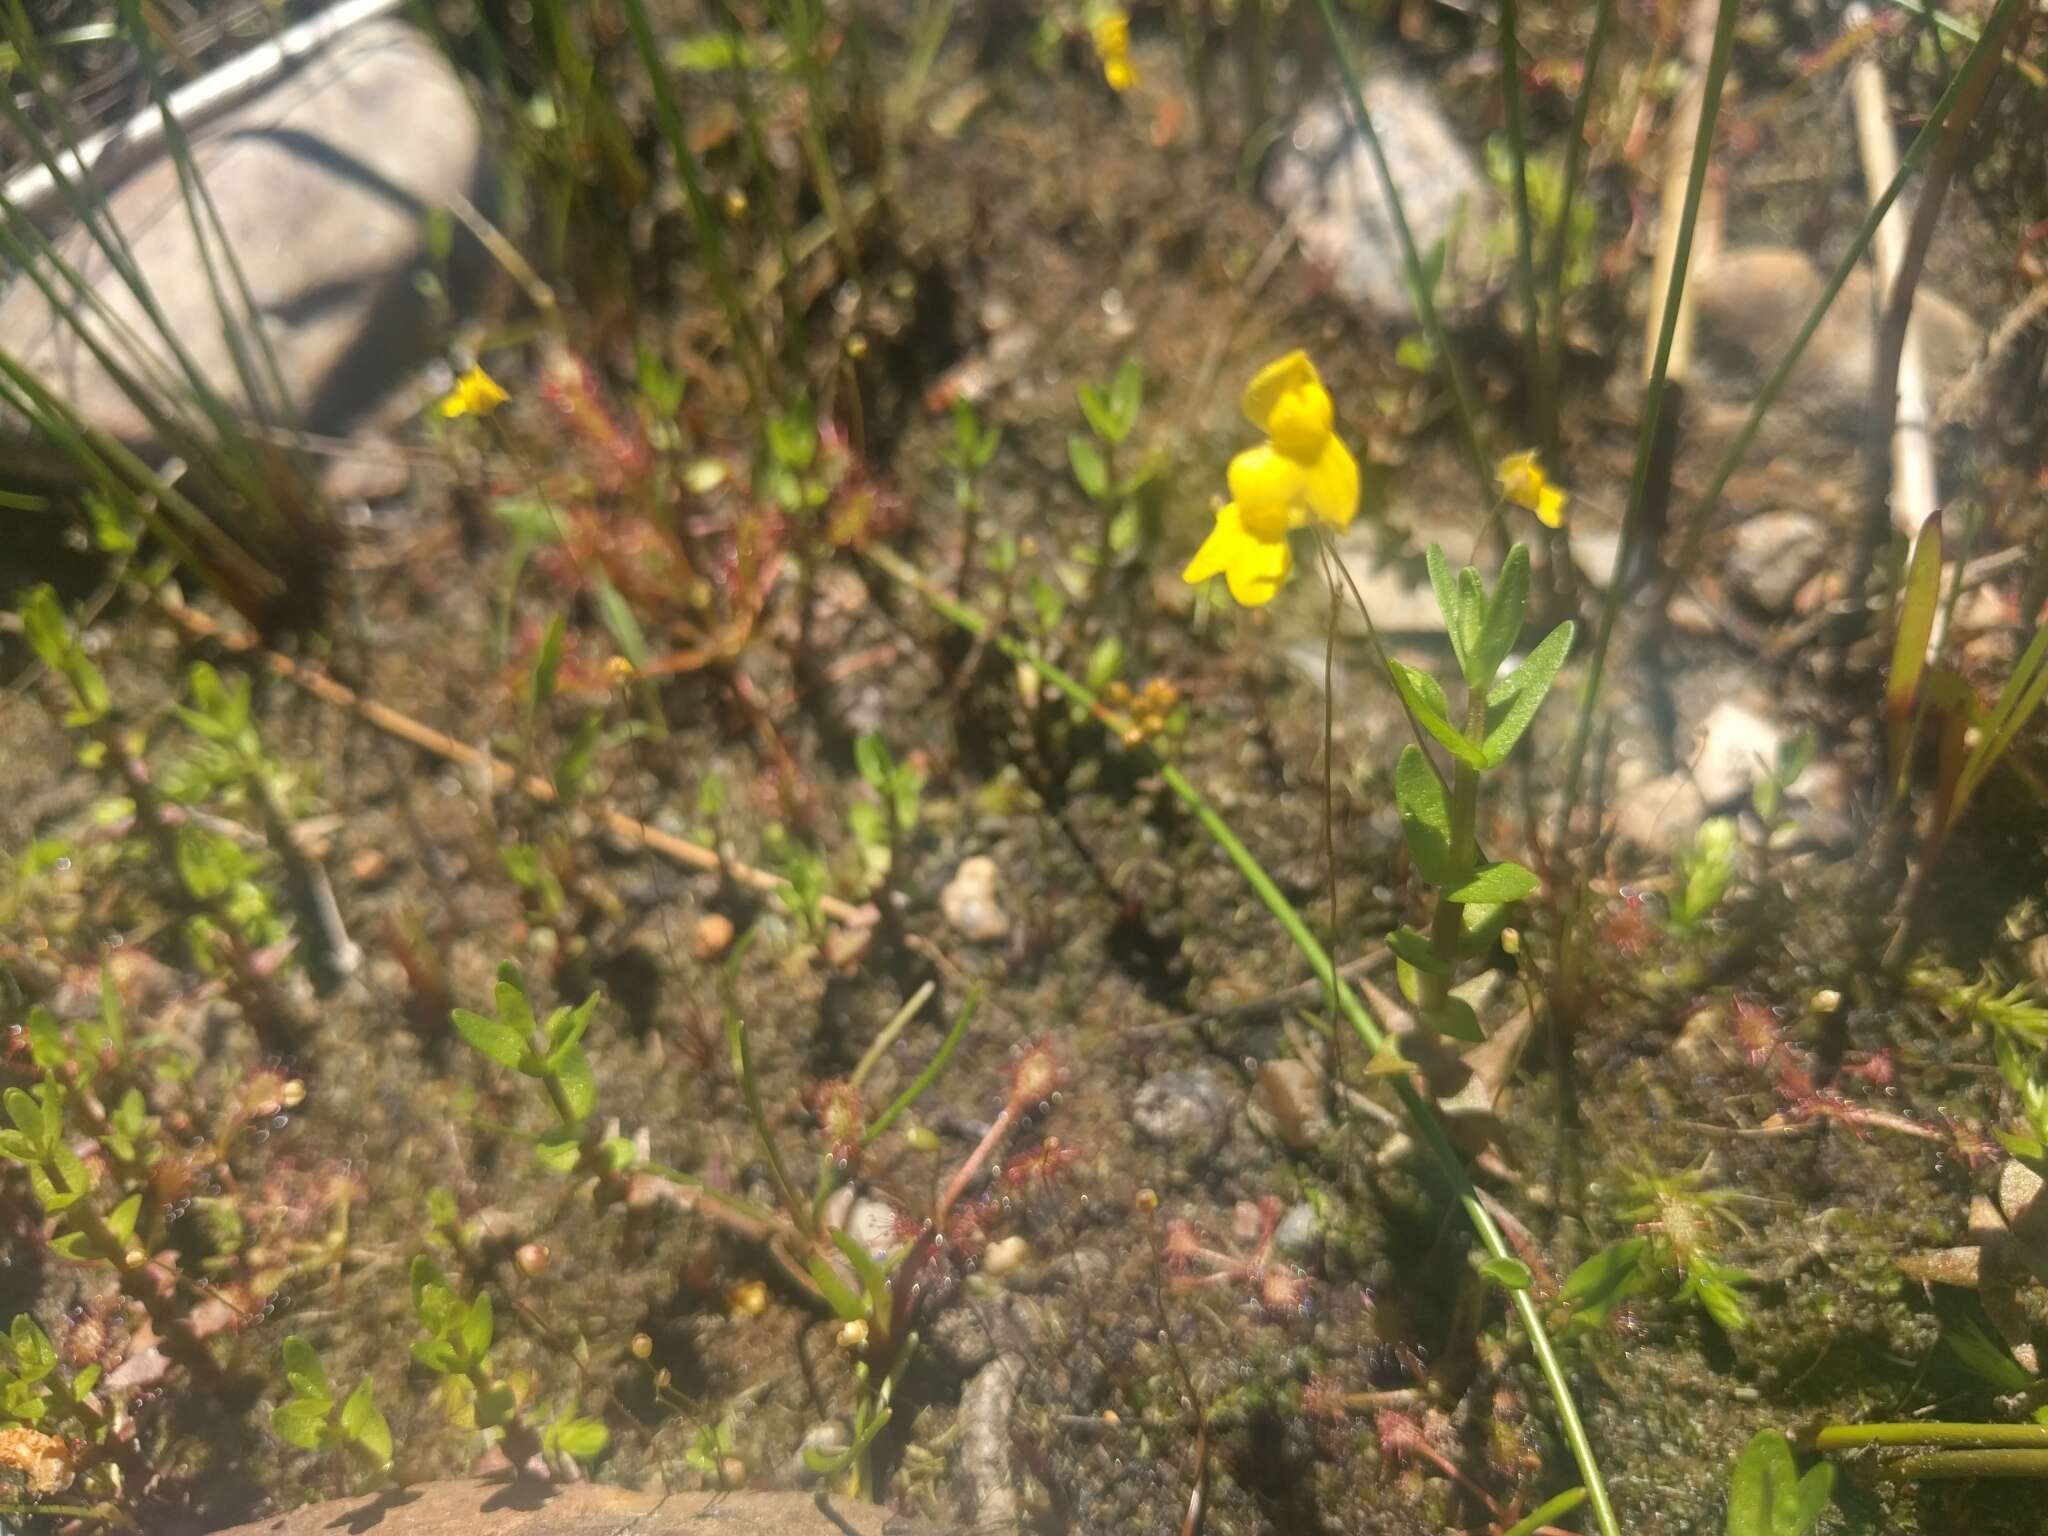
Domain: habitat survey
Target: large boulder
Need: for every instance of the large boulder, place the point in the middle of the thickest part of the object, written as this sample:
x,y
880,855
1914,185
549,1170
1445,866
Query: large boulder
x,y
325,182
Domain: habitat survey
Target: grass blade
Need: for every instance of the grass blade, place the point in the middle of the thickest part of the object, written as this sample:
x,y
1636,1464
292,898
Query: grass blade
x,y
1919,598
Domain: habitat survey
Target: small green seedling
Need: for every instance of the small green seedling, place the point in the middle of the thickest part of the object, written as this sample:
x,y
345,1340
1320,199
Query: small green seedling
x,y
882,826
34,1391
1705,871
1439,824
1112,415
312,1420
1768,1497
552,1055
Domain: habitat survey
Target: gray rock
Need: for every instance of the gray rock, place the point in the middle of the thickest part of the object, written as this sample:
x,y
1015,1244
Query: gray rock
x,y
827,1439
1187,1112
324,183
1300,1233
1658,813
972,901
988,1405
973,1331
1736,744
1751,302
1773,556
1395,590
1322,178
1287,1105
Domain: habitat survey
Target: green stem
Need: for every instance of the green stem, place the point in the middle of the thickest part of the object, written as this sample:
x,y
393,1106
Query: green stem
x,y
1848,1437
1518,157
1933,1464
1448,924
1560,236
1411,259
743,1069
1653,407
1428,1127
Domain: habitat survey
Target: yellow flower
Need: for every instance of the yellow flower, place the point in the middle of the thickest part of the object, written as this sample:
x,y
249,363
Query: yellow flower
x,y
1111,31
1300,475
1523,482
476,393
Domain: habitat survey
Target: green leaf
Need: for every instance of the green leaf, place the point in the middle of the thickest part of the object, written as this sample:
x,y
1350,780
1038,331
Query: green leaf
x,y
302,1421
827,1463
1096,408
364,1423
1919,598
577,1082
1503,626
874,1278
1454,1017
1549,1512
302,1369
618,618
871,757
475,1334
1597,1286
1105,662
1424,695
1766,1495
438,1356
1501,882
559,1150
34,1357
1425,815
1516,698
710,53
566,1026
1091,470
25,1113
1508,1274
583,1438
1126,398
1448,602
500,1042
844,1301
495,1405
431,1292
1416,950
45,1039
121,1220
1966,1339
573,763
547,662
1471,616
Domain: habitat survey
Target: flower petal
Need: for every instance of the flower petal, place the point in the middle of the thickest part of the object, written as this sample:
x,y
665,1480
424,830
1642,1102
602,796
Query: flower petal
x,y
1224,543
1277,379
1270,491
1259,571
1331,485
1549,508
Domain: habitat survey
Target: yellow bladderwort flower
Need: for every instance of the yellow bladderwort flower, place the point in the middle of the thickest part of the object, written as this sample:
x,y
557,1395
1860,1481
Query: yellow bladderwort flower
x,y
1111,32
1523,482
1301,474
476,393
